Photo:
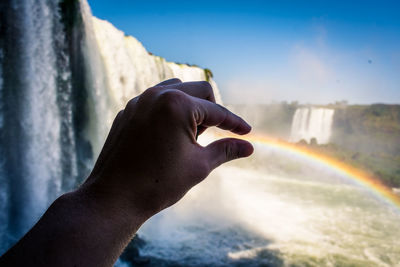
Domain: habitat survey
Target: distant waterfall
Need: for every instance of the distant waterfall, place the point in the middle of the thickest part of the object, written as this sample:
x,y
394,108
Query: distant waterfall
x,y
311,123
63,77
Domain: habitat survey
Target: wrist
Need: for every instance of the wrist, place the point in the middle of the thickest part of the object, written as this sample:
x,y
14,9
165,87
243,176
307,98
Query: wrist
x,y
82,222
113,202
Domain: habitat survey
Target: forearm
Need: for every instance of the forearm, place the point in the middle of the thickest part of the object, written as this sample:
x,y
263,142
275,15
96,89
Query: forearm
x,y
81,228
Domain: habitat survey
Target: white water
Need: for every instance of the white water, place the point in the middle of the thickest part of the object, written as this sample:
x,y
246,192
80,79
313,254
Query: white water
x,y
40,163
39,154
249,213
130,69
3,193
101,107
121,68
270,209
311,123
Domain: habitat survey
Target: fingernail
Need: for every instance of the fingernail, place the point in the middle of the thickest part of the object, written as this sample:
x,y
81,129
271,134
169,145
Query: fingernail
x,y
248,126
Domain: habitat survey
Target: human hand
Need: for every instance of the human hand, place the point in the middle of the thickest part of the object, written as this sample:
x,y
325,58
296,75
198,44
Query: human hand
x,y
151,157
150,160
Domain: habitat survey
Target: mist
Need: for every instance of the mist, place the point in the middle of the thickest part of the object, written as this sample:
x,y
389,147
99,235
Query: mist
x,y
64,75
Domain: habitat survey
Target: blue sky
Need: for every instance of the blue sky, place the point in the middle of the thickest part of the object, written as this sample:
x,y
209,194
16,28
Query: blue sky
x,y
262,51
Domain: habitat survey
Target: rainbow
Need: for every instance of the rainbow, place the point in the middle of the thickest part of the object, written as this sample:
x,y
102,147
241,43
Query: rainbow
x,y
357,175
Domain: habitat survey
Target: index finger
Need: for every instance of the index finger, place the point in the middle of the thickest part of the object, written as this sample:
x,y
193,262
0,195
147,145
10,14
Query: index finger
x,y
210,114
200,89
169,82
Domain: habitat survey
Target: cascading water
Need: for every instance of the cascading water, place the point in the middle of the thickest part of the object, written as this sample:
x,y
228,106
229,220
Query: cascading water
x,y
118,68
274,209
63,76
130,69
31,124
3,183
61,84
311,123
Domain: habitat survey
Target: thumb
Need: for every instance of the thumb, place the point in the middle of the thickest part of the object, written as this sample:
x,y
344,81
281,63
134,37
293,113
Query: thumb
x,y
227,149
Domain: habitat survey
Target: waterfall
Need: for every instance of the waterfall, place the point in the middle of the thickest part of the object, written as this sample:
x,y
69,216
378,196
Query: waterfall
x,y
3,183
119,68
63,76
312,122
130,68
31,124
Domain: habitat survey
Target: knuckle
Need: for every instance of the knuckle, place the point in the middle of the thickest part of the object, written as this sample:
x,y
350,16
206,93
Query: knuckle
x,y
207,87
223,109
175,80
171,101
131,104
205,84
153,90
149,94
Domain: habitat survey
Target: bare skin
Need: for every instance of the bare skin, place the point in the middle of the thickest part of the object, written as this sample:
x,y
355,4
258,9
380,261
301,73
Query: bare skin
x,y
150,160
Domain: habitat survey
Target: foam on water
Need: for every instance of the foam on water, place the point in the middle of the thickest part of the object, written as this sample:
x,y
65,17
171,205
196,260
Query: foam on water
x,y
272,208
67,76
242,213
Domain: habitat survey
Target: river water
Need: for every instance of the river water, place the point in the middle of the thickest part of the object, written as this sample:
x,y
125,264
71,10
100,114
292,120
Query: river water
x,y
60,88
255,212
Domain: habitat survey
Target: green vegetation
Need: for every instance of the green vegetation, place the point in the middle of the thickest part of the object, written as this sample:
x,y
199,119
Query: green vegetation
x,y
364,136
208,74
186,64
160,59
382,166
368,136
372,129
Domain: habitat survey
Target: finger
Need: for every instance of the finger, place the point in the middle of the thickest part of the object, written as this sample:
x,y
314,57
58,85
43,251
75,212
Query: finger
x,y
130,106
209,114
225,150
169,82
200,89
